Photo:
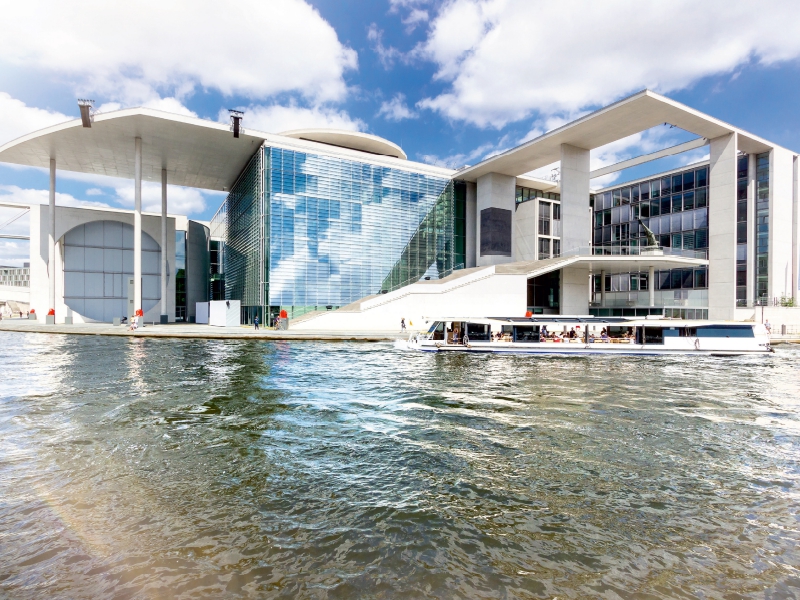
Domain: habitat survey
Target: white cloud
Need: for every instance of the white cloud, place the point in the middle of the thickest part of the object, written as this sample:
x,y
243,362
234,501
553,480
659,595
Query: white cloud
x,y
136,52
459,160
276,118
508,59
396,109
94,192
18,119
387,55
13,193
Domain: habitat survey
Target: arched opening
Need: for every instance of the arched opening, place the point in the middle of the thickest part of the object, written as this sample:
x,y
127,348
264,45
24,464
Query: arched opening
x,y
98,262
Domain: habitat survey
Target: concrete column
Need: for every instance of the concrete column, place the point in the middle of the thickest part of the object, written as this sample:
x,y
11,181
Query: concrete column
x,y
164,314
722,228
574,292
137,226
51,242
651,285
781,179
602,288
796,233
576,218
495,219
471,225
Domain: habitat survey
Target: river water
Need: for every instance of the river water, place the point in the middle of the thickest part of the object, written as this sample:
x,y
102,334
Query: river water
x,y
144,468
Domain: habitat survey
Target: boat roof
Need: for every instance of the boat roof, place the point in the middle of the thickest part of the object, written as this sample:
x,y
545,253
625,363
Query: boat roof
x,y
590,320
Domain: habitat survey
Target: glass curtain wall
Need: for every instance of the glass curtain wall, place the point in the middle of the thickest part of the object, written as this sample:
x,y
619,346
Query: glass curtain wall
x,y
180,276
762,226
302,232
675,207
741,229
340,230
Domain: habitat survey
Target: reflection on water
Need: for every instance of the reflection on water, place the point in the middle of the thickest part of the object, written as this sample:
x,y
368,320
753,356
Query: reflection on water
x,y
142,468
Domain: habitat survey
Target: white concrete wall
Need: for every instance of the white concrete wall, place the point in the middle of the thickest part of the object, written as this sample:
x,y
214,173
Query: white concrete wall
x,y
66,219
17,293
483,293
574,292
472,225
576,216
722,228
796,232
781,190
494,190
525,228
776,315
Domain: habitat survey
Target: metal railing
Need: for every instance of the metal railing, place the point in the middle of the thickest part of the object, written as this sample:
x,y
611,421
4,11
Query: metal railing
x,y
634,251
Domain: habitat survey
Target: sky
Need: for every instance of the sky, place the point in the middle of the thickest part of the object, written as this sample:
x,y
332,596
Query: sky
x,y
453,82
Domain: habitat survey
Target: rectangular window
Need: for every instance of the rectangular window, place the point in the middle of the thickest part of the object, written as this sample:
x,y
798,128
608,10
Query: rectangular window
x,y
741,211
677,203
687,278
644,210
688,181
741,233
655,189
701,198
544,248
635,194
741,167
701,238
556,248
655,208
688,201
741,189
645,190
617,197
557,212
666,186
677,183
666,204
701,177
663,280
700,276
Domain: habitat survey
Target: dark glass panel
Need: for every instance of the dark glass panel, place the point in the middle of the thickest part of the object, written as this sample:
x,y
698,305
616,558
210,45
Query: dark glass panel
x,y
688,181
677,183
701,198
688,201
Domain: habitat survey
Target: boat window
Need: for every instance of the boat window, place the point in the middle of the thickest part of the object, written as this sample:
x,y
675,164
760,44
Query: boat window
x,y
726,331
478,332
653,335
620,332
436,326
688,331
671,332
437,330
526,334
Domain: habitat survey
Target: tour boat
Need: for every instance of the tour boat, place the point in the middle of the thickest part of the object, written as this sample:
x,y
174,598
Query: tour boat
x,y
592,335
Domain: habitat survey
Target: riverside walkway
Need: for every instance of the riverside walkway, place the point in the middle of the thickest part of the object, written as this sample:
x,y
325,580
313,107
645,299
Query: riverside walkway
x,y
190,330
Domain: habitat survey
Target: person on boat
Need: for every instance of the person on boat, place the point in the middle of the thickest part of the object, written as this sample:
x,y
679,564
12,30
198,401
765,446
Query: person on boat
x,y
604,335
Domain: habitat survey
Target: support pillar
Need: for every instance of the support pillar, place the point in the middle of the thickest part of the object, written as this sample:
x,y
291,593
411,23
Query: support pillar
x,y
651,285
137,227
164,316
576,216
722,228
603,289
51,247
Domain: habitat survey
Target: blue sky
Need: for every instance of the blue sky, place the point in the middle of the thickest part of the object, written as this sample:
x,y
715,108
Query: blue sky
x,y
452,82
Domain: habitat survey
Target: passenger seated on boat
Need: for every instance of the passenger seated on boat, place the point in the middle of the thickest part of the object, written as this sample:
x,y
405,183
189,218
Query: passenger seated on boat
x,y
604,335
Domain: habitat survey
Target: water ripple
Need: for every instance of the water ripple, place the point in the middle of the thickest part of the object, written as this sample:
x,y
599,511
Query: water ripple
x,y
145,468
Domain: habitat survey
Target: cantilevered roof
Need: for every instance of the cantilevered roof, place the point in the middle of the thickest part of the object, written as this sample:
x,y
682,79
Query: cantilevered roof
x,y
196,152
629,116
355,140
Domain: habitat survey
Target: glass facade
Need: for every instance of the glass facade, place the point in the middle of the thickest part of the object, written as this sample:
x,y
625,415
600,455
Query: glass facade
x,y
742,180
762,227
674,207
180,276
310,232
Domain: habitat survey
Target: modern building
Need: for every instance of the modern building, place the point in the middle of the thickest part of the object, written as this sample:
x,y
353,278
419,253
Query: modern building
x,y
341,230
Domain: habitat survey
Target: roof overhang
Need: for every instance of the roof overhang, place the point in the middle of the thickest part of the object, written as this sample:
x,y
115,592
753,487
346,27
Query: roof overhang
x,y
195,152
627,117
355,140
611,264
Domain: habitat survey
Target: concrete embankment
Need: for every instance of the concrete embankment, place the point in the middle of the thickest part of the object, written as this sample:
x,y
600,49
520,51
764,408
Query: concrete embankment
x,y
180,330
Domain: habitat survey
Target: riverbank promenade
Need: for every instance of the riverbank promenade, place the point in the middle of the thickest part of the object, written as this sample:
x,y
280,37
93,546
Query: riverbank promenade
x,y
191,330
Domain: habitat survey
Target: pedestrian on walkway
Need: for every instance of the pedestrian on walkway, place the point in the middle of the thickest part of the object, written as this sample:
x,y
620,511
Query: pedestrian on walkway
x,y
255,322
403,324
